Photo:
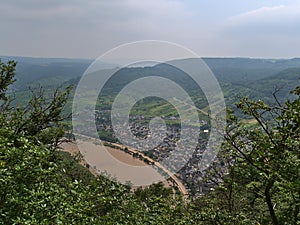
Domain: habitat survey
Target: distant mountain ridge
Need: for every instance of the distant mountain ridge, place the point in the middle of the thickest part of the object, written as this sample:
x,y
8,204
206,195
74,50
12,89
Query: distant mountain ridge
x,y
239,70
48,71
237,76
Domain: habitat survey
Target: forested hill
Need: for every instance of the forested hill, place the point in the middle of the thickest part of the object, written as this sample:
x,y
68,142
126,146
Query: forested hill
x,y
239,70
53,71
283,81
255,78
46,71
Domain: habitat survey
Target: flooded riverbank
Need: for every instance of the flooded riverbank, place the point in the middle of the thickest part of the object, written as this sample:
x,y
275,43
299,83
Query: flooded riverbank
x,y
118,164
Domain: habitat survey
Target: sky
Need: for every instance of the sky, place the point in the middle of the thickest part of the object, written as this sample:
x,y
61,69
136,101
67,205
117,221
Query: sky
x,y
89,28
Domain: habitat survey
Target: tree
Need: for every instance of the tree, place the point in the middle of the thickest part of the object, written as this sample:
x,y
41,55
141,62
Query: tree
x,y
34,182
42,118
7,73
263,165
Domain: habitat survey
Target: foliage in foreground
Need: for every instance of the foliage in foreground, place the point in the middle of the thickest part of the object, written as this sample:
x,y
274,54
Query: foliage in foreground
x,y
40,185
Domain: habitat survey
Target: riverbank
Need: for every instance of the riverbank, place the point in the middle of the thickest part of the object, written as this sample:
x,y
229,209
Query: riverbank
x,y
124,164
115,163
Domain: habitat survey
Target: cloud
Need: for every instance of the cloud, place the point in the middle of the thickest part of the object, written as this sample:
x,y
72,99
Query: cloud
x,y
266,13
79,27
105,11
267,32
274,19
159,7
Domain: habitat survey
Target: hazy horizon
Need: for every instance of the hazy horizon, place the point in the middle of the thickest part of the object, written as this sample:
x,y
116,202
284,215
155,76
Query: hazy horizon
x,y
87,29
203,57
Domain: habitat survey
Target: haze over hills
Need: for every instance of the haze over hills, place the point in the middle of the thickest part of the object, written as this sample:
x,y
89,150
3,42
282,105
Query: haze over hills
x,y
242,69
48,71
256,78
234,70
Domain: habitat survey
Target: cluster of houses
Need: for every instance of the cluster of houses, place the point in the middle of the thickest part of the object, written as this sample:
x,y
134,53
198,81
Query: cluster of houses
x,y
189,174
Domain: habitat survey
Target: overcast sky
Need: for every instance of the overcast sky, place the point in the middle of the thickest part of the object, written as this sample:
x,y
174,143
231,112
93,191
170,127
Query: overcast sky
x,y
88,28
